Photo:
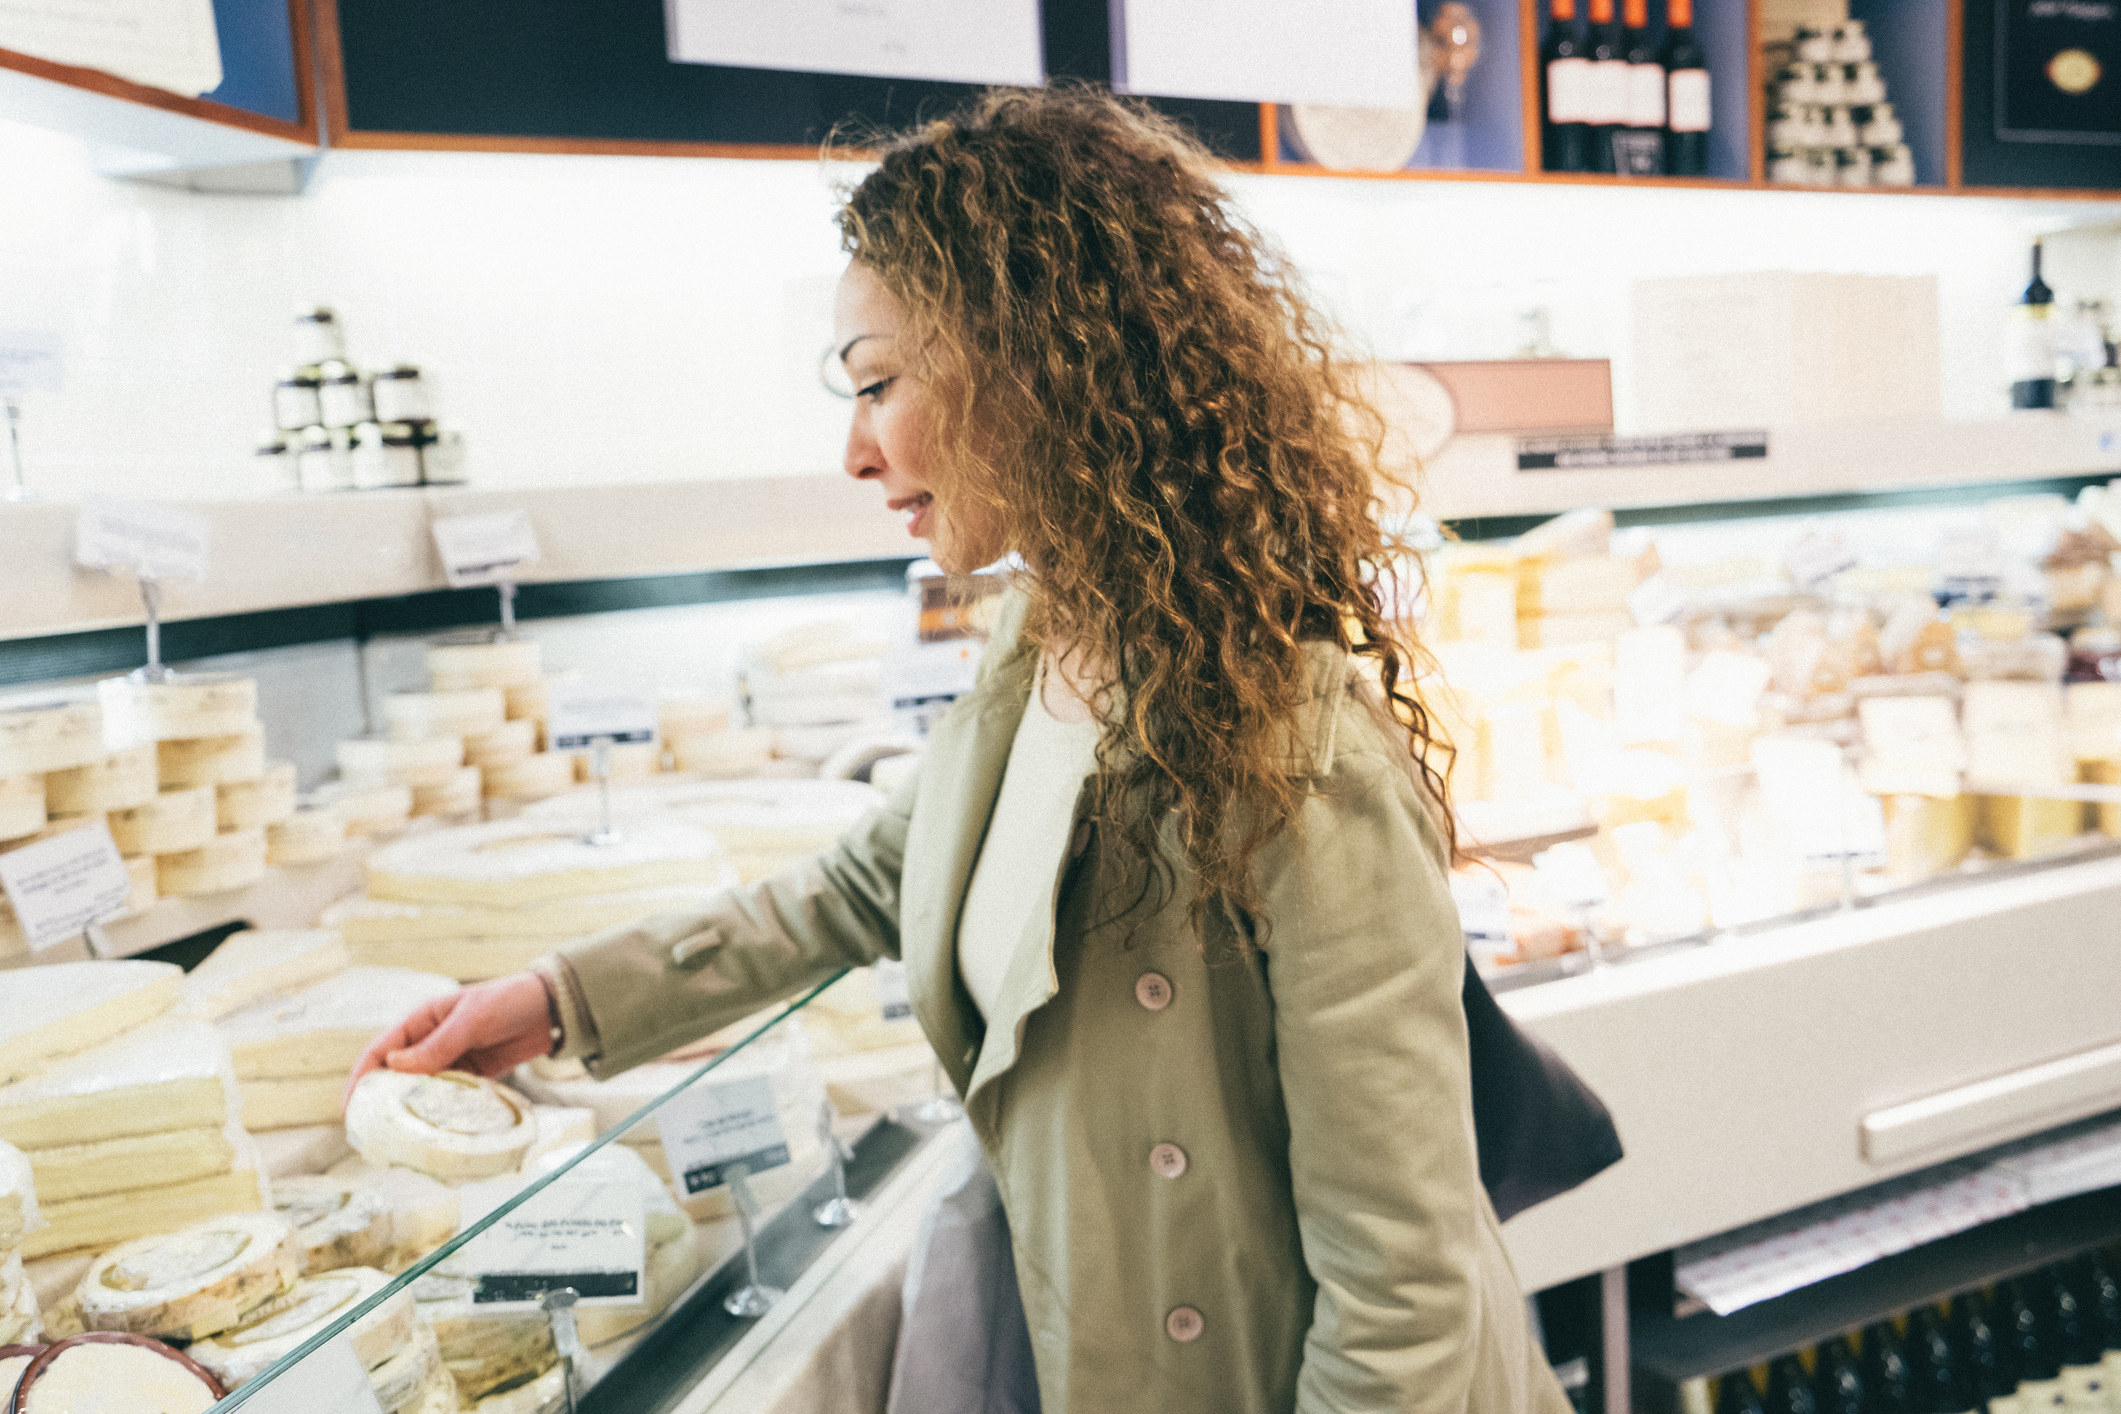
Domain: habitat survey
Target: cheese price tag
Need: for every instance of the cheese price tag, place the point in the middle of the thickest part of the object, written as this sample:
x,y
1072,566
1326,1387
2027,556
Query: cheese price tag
x,y
486,548
579,714
154,542
580,1232
29,362
329,1380
61,885
892,997
712,1129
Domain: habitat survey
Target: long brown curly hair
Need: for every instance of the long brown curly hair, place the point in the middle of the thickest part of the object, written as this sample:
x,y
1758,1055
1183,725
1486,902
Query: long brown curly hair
x,y
1130,376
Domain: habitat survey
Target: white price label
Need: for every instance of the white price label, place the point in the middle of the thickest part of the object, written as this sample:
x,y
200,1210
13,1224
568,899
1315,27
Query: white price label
x,y
580,714
1816,557
61,885
581,1232
486,548
154,542
29,362
713,1129
328,1380
893,999
915,673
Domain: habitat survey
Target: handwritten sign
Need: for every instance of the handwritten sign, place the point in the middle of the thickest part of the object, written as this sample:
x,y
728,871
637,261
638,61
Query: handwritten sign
x,y
61,885
713,1129
582,1232
154,542
486,548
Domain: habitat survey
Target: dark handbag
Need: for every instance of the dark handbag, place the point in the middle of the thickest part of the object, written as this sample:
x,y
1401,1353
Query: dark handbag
x,y
1539,1128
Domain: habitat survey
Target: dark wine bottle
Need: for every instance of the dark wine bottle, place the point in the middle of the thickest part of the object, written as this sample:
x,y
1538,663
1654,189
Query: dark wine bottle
x,y
1984,1354
1789,1389
1565,64
2030,1334
1735,1394
2078,1343
1609,84
2102,1299
1643,155
1940,1379
1836,1381
1888,1380
1686,94
2029,353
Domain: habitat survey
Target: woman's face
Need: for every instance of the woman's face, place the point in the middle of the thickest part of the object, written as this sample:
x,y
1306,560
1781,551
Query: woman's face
x,y
890,439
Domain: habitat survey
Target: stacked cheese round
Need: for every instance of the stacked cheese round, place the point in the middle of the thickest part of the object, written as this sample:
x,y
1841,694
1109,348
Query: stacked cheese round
x,y
530,778
628,762
765,825
183,708
22,806
232,859
45,733
119,781
374,761
497,746
267,800
422,716
457,664
370,810
245,1350
310,834
202,735
194,1282
521,862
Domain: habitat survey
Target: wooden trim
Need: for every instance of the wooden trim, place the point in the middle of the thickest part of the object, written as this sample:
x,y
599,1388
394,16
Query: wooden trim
x,y
1756,94
331,71
111,86
1269,137
1954,91
301,27
1530,87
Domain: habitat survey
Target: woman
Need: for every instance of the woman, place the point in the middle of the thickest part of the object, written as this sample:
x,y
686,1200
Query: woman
x,y
1170,885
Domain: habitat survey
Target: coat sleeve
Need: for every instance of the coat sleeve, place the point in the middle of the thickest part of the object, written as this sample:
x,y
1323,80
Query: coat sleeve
x,y
1365,962
653,986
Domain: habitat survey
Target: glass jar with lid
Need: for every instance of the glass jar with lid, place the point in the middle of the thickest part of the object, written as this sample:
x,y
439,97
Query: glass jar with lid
x,y
399,394
274,456
343,397
386,454
324,459
294,400
319,337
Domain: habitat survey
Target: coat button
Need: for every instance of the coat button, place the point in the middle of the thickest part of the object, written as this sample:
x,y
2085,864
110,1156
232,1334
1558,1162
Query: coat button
x,y
1184,1324
1153,990
1167,1161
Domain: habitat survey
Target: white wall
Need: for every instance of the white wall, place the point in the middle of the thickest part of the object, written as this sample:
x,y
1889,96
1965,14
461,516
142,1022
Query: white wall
x,y
622,319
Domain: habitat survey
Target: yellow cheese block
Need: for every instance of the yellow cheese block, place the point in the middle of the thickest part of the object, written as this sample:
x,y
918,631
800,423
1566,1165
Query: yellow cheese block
x,y
290,1102
2025,827
1597,584
133,1161
268,800
47,733
422,716
455,665
167,1074
118,781
454,797
510,741
21,806
209,704
2106,818
233,859
536,777
212,760
174,820
371,762
2092,711
258,964
1927,835
111,1218
305,837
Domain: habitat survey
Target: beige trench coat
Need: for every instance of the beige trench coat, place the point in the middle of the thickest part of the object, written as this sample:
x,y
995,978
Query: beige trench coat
x,y
1242,1187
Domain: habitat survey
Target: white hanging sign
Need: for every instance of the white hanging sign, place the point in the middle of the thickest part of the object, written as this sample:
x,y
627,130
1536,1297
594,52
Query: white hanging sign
x,y
1347,53
714,1128
579,714
486,548
579,1232
29,362
153,541
167,44
61,885
951,41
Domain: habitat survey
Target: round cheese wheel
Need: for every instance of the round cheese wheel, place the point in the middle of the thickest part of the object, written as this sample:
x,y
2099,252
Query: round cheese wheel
x,y
233,859
245,1350
451,1126
212,760
174,820
268,800
338,1222
186,706
536,777
528,701
723,756
118,781
454,664
21,806
629,761
414,1380
483,1349
193,1282
420,716
39,734
520,862
368,809
510,741
406,763
99,1369
456,796
311,836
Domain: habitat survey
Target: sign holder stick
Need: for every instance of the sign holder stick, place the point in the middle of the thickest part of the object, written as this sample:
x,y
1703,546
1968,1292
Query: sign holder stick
x,y
754,1298
18,488
838,1210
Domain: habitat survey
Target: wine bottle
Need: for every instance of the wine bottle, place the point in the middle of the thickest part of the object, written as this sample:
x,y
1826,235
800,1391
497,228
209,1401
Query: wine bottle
x,y
1888,1380
1941,1383
1686,94
1609,84
2103,1301
2030,1334
1984,1355
2078,1344
1566,65
1735,1394
1836,1381
2029,353
1645,145
1789,1389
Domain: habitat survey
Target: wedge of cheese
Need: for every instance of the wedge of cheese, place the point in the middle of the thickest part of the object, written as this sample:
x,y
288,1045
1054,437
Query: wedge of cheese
x,y
519,862
363,920
465,959
257,965
110,1218
192,1282
302,1149
424,1211
764,825
451,1126
321,1029
414,1380
167,1075
68,1171
244,1351
74,1006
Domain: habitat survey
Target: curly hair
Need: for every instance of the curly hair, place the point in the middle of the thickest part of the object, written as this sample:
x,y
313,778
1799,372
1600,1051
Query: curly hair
x,y
1130,377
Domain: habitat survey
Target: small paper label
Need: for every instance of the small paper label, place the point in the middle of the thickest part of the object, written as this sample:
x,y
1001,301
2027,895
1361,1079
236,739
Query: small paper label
x,y
893,1000
329,1380
486,548
578,715
154,542
61,885
580,1233
1816,557
29,362
713,1129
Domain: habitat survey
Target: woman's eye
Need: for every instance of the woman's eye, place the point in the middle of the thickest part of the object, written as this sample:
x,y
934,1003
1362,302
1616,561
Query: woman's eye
x,y
874,391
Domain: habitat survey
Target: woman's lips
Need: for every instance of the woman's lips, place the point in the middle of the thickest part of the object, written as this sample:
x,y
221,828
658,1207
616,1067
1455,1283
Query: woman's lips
x,y
916,509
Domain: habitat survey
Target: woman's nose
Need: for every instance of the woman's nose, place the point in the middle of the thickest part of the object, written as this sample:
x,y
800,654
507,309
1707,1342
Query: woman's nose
x,y
864,459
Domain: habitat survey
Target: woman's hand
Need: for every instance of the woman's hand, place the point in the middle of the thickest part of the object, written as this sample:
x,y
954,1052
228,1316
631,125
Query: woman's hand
x,y
487,1029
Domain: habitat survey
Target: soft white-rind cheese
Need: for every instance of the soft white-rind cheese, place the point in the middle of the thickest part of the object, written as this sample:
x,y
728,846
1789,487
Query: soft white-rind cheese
x,y
73,1006
245,1350
338,1222
193,1282
452,1126
82,1375
258,964
516,862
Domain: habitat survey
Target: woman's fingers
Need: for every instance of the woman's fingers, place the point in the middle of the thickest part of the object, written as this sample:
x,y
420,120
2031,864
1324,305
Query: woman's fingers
x,y
411,1030
489,1028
